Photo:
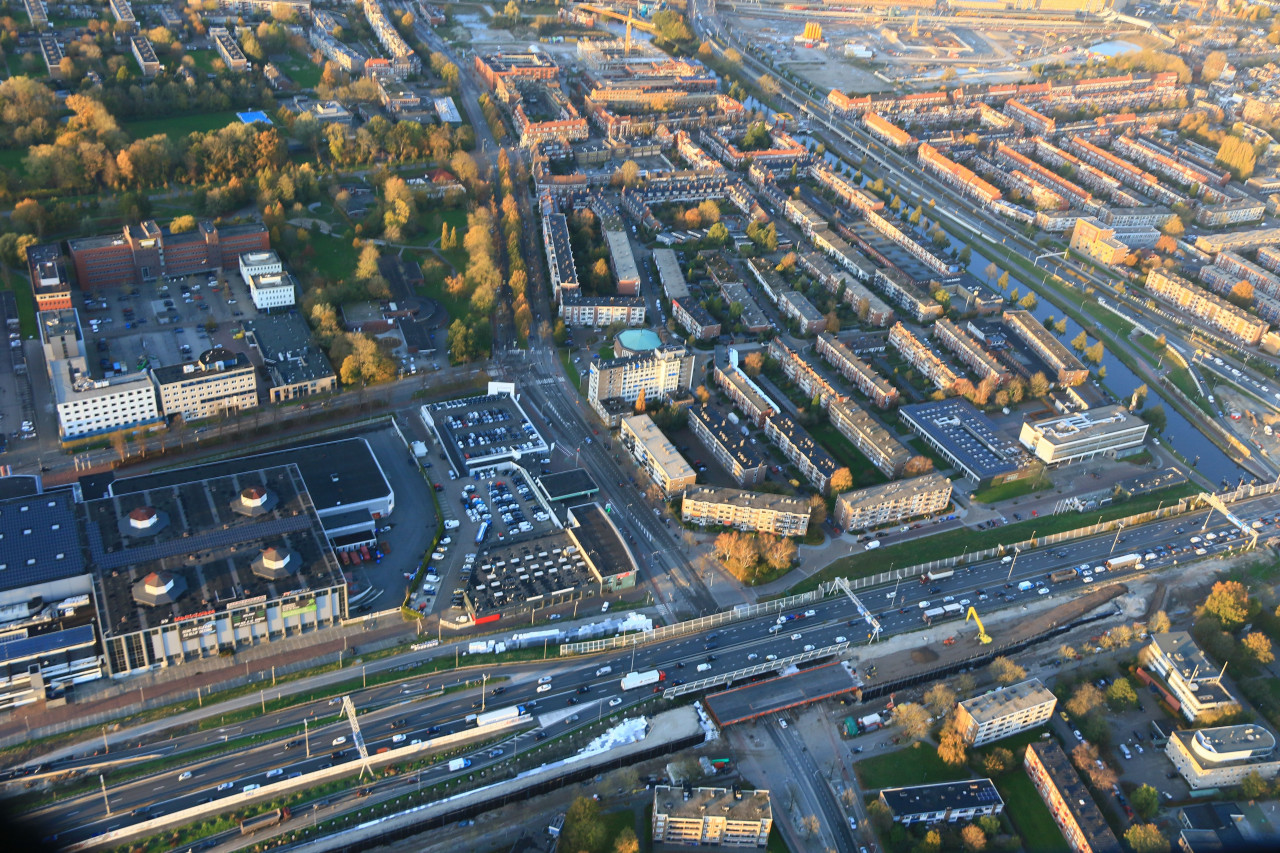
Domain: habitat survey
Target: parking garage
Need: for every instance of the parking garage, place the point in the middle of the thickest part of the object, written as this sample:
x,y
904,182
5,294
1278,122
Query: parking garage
x,y
480,432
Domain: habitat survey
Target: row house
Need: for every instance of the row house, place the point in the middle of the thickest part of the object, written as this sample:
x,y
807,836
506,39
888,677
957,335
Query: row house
x,y
1221,281
919,356
968,349
1212,310
1076,196
388,36
1233,212
1261,279
887,131
805,376
862,375
1087,175
958,176
1139,179
1036,122
1154,157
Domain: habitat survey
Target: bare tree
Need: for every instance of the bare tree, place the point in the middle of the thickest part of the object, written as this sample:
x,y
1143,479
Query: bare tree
x,y
810,825
913,719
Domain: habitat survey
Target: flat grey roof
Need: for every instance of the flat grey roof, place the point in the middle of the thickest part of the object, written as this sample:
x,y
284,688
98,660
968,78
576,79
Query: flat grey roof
x,y
575,482
337,473
968,435
39,540
941,796
599,540
1008,700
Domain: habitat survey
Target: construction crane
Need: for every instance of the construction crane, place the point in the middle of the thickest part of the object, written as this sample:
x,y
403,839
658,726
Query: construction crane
x,y
983,636
915,26
618,16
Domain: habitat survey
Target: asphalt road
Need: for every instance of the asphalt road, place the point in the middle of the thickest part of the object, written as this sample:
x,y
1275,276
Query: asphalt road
x,y
576,690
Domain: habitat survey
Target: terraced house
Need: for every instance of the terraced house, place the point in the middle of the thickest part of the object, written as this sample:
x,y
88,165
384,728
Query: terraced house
x,y
857,371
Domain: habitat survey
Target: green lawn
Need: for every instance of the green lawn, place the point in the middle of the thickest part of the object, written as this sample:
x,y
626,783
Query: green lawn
x,y
864,473
203,60
1029,814
335,257
918,764
570,369
953,542
26,303
178,127
11,159
14,61
301,70
1013,489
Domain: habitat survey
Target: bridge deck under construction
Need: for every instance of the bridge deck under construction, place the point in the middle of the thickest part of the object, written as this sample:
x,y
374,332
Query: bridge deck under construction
x,y
779,694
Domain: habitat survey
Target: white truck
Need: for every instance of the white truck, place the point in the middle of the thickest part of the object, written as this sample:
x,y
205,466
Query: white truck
x,y
633,680
460,764
419,450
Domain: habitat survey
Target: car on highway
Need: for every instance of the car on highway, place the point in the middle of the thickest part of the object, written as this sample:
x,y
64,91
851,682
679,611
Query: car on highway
x,y
226,786
185,775
546,679
1044,590
782,722
544,688
924,605
809,647
615,701
400,738
796,636
274,772
753,656
339,740
770,657
808,613
842,639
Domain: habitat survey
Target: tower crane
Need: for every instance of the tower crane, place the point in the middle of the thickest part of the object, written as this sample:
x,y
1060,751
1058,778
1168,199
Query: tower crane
x,y
983,636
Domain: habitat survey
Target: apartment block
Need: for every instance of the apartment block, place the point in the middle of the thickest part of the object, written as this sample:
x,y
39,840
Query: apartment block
x,y
815,464
52,53
230,52
1222,756
1068,799
387,34
967,348
1109,431
752,318
780,515
806,374
1064,367
1250,238
614,385
1190,677
1235,212
1213,311
495,67
891,503
744,393
123,12
670,274
881,392
697,817
218,384
347,58
1243,270
729,444
147,252
656,454
1005,712
1090,237
923,359
903,291
145,55
695,319
872,439
564,274
46,268
600,311
943,802
1124,171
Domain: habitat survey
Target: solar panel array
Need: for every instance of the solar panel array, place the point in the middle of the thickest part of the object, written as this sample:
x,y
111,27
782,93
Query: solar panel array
x,y
38,540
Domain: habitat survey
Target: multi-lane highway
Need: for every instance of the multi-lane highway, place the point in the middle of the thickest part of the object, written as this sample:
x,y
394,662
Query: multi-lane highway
x,y
580,691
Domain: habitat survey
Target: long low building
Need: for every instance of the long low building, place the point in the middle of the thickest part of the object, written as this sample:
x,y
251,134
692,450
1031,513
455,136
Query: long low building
x,y
1069,801
892,502
761,512
857,371
968,439
816,464
1111,431
942,802
1067,369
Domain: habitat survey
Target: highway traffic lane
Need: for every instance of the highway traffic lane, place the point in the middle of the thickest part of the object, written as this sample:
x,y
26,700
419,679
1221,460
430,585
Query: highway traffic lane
x,y
821,629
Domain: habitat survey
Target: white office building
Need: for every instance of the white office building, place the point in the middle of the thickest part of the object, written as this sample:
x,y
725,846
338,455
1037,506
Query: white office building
x,y
273,290
259,263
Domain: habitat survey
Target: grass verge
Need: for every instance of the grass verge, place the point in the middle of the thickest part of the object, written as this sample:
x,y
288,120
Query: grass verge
x,y
1014,489
918,764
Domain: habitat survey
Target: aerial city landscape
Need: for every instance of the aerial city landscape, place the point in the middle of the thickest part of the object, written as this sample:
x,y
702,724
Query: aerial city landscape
x,y
636,425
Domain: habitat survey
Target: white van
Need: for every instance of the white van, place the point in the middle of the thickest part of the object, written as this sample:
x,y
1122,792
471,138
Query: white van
x,y
604,670
703,667
1124,750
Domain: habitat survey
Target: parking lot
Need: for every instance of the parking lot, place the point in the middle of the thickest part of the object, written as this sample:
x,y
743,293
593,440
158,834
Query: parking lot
x,y
168,321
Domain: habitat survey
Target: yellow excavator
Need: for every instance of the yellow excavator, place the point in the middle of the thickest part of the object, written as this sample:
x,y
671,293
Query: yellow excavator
x,y
983,636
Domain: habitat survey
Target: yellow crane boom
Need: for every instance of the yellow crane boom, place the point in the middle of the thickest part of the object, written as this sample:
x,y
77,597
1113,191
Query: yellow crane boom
x,y
983,636
618,16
